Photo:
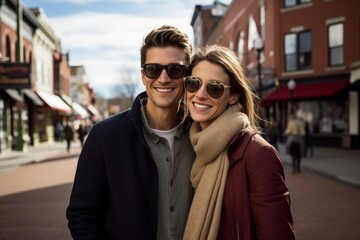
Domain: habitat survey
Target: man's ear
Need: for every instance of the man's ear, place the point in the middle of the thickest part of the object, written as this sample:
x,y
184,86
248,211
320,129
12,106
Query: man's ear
x,y
143,77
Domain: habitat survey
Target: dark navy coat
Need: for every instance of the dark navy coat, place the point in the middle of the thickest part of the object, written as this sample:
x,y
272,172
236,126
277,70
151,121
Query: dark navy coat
x,y
115,189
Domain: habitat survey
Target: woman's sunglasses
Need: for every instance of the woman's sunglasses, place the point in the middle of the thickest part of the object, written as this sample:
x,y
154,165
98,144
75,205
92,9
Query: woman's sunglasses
x,y
174,71
214,88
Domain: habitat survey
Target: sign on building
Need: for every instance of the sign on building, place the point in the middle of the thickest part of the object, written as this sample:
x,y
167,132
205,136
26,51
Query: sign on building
x,y
15,75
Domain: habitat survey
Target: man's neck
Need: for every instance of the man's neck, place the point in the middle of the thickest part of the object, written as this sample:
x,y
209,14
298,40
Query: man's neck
x,y
162,118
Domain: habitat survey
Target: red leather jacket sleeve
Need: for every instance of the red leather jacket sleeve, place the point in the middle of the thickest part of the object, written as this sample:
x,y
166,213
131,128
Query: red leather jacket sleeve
x,y
269,195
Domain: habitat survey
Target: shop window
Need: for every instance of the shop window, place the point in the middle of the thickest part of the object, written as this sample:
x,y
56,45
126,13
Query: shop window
x,y
326,117
298,51
336,44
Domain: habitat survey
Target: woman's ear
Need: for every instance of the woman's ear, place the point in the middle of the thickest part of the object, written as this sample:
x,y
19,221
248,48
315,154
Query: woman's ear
x,y
234,99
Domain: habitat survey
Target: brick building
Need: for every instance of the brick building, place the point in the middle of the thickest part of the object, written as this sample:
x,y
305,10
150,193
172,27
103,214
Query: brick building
x,y
314,44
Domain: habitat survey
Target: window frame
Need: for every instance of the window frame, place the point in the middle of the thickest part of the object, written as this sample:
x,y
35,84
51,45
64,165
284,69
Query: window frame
x,y
294,53
295,3
331,49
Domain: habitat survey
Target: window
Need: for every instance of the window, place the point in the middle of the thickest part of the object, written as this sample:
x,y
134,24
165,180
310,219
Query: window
x,y
198,31
292,3
241,44
336,44
298,51
8,49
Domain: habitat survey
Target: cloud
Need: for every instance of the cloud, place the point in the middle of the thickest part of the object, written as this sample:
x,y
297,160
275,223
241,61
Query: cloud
x,y
107,40
106,43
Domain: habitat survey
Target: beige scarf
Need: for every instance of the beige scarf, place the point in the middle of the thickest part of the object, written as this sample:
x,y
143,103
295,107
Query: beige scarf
x,y
209,171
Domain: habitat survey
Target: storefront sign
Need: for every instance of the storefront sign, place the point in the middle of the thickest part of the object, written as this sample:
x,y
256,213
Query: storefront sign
x,y
15,75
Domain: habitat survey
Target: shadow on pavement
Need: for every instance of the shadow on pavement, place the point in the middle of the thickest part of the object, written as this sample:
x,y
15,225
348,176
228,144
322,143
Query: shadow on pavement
x,y
37,214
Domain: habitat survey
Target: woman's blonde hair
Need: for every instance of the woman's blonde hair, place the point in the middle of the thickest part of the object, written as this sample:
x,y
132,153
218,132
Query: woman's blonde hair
x,y
228,60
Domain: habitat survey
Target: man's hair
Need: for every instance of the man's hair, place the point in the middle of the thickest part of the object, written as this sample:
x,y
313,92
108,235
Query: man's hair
x,y
166,36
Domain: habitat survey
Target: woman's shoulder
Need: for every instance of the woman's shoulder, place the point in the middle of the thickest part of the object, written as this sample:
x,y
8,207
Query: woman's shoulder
x,y
248,139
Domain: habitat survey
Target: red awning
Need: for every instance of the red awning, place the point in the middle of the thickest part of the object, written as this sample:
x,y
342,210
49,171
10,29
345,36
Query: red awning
x,y
306,91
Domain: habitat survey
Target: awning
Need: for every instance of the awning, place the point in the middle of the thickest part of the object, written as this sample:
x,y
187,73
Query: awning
x,y
353,87
14,94
80,110
54,102
33,97
93,110
66,99
306,91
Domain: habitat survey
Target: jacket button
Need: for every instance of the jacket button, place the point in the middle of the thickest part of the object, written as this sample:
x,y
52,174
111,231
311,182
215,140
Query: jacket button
x,y
172,209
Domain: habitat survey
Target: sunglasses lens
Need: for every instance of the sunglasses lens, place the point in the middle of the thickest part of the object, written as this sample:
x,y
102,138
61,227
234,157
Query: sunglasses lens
x,y
215,89
192,84
175,71
152,71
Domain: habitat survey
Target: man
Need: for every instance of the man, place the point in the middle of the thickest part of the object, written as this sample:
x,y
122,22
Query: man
x,y
132,179
69,135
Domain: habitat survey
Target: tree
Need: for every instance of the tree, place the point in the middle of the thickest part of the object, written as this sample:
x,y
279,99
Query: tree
x,y
126,89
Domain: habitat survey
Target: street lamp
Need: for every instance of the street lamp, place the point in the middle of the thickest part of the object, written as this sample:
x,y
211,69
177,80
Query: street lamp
x,y
291,85
259,46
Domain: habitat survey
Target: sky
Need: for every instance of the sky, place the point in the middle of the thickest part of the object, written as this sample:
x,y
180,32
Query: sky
x,y
105,35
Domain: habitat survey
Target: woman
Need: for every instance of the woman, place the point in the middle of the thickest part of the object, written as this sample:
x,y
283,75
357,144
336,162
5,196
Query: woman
x,y
295,141
238,176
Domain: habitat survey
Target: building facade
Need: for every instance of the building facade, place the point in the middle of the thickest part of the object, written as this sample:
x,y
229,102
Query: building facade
x,y
15,73
313,44
35,80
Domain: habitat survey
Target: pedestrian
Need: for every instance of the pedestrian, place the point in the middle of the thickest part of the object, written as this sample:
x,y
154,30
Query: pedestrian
x,y
240,190
295,141
81,131
59,129
69,135
133,175
308,140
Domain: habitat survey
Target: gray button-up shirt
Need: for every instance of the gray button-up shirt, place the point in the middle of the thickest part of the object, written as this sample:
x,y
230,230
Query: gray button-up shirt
x,y
175,191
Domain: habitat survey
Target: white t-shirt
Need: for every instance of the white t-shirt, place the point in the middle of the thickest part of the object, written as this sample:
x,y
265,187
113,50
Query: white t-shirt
x,y
168,135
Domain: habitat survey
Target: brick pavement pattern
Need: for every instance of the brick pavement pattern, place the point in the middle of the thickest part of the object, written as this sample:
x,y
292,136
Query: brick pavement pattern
x,y
323,208
35,215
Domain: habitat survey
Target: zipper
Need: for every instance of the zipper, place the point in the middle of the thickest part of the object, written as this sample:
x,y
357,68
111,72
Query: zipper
x,y
237,229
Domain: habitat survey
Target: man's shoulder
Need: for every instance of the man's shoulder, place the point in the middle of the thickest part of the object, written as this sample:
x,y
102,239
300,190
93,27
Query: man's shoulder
x,y
114,120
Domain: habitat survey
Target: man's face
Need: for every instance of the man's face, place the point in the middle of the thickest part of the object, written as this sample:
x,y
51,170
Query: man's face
x,y
163,92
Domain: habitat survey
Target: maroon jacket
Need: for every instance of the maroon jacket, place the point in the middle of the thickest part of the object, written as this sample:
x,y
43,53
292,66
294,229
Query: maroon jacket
x,y
256,202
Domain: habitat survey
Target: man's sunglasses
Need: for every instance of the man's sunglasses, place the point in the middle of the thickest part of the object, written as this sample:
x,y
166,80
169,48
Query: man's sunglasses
x,y
214,88
174,71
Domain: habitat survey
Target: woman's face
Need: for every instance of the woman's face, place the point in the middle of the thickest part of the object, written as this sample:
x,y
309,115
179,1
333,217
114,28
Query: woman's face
x,y
204,108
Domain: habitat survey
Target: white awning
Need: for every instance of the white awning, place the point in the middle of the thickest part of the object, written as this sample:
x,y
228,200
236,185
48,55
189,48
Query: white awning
x,y
34,98
93,110
66,99
54,102
80,110
14,94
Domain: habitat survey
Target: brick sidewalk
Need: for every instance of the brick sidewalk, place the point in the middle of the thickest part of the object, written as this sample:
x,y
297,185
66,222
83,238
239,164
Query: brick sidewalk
x,y
322,208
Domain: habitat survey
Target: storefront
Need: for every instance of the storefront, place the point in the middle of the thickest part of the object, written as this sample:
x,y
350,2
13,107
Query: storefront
x,y
322,104
11,106
54,110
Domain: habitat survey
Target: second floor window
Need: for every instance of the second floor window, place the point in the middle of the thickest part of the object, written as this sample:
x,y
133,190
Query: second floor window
x,y
292,3
336,44
298,51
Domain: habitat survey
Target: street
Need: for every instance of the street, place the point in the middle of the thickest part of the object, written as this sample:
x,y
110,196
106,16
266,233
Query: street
x,y
33,199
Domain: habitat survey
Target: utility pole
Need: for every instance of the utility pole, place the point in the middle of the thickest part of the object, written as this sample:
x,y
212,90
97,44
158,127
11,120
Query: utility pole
x,y
19,59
